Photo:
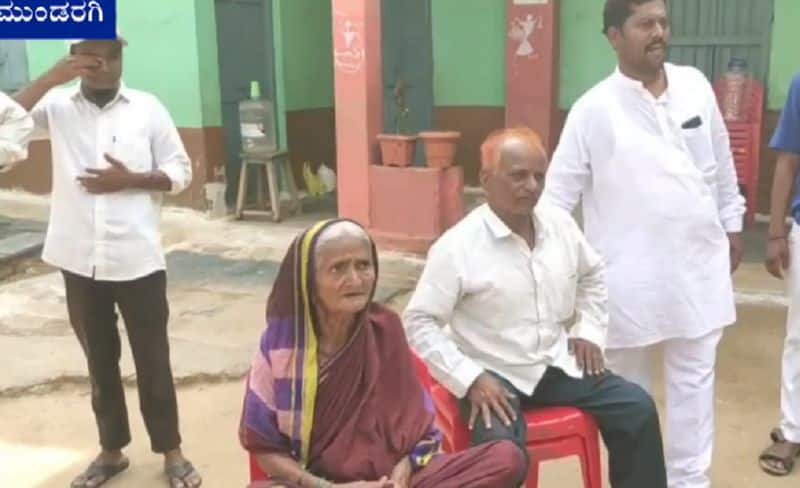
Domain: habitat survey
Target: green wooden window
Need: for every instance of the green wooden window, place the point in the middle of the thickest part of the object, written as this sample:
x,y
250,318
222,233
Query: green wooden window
x,y
708,33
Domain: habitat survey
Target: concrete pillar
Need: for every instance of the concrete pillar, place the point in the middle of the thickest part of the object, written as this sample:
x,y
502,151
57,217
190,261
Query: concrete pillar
x,y
532,66
359,101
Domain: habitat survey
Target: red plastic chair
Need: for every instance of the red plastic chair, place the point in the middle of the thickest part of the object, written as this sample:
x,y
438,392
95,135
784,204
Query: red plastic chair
x,y
553,432
746,143
256,473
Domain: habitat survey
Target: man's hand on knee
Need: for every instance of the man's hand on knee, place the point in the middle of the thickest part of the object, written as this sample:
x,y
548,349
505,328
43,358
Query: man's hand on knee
x,y
588,355
487,395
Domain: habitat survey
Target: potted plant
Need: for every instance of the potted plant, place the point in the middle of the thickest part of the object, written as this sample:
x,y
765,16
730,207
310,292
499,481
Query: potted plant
x,y
398,149
440,147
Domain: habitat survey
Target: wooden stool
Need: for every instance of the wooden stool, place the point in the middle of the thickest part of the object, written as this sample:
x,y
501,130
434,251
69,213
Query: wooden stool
x,y
267,181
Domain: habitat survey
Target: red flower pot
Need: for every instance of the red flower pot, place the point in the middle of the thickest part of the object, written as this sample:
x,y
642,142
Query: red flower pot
x,y
397,150
440,147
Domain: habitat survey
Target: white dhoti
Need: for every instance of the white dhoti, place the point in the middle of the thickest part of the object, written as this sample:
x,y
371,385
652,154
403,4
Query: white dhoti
x,y
790,371
689,393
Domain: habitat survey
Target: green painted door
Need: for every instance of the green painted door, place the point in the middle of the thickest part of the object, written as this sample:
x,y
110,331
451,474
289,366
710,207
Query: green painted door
x,y
407,55
708,33
245,44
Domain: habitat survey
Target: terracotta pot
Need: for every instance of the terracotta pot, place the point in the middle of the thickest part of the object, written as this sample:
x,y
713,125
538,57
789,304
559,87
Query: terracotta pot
x,y
397,150
440,147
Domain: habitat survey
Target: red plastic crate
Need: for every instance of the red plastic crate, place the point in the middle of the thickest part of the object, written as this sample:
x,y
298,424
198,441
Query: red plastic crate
x,y
745,139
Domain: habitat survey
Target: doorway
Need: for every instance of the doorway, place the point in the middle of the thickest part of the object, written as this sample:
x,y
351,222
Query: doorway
x,y
407,54
246,53
708,34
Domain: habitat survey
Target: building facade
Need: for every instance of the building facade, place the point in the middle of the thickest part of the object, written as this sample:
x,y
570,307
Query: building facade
x,y
199,56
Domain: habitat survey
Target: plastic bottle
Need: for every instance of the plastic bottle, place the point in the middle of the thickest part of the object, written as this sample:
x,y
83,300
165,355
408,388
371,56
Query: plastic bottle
x,y
257,122
735,91
327,177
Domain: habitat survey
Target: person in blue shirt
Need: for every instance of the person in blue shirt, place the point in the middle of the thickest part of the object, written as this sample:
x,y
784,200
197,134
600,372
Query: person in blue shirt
x,y
783,248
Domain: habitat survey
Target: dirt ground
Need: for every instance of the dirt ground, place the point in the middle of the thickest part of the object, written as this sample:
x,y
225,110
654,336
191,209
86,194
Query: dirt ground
x,y
46,439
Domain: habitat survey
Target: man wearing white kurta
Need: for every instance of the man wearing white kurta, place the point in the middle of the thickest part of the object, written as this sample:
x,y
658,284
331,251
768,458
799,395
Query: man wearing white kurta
x,y
115,152
16,127
648,152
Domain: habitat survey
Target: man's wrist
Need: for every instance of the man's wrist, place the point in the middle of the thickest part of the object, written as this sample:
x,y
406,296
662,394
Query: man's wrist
x,y
148,180
777,226
463,377
135,180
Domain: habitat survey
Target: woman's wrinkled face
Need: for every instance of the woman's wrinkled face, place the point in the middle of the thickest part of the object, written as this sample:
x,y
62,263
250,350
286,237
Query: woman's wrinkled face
x,y
344,275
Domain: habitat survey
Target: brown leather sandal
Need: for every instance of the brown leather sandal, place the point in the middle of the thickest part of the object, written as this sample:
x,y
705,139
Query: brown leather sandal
x,y
777,454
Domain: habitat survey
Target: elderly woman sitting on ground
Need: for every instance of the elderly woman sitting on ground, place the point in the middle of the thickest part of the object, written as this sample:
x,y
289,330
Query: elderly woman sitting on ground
x,y
332,397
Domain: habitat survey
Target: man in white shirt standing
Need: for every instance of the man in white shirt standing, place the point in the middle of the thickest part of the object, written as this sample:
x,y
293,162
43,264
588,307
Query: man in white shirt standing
x,y
115,152
491,310
16,127
648,152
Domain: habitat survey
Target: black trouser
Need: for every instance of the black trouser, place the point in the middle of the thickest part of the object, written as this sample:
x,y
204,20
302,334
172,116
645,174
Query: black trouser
x,y
625,414
143,305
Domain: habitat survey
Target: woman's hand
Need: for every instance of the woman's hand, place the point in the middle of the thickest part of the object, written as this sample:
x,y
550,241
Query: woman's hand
x,y
381,483
401,474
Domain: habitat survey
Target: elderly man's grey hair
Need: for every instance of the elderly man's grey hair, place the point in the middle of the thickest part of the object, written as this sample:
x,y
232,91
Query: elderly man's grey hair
x,y
339,230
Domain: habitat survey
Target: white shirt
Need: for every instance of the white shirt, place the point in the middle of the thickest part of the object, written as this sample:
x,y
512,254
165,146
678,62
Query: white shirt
x,y
16,127
115,236
506,307
658,200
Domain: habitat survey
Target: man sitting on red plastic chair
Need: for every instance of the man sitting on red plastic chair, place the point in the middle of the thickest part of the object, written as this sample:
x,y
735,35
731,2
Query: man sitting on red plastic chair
x,y
490,314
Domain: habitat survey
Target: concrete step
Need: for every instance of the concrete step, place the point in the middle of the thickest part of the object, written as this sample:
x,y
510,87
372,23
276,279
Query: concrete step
x,y
24,244
16,248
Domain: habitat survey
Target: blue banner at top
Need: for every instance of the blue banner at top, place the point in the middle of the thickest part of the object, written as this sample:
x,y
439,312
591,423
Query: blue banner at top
x,y
58,19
